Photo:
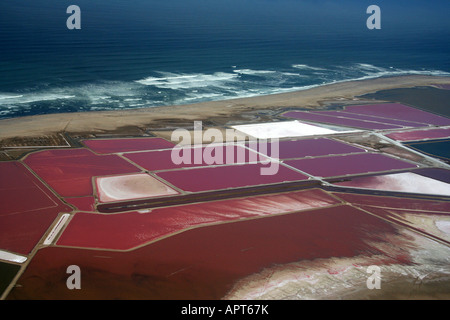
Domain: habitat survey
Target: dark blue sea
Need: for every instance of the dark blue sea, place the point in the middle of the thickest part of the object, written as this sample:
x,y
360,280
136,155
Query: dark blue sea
x,y
146,53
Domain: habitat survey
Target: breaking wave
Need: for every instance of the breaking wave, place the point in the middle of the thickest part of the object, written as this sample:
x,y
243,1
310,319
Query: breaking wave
x,y
171,88
187,81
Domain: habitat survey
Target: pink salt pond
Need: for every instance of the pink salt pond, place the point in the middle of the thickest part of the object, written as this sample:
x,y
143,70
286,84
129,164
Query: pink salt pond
x,y
347,122
349,164
291,149
105,146
130,186
231,176
187,156
69,172
373,117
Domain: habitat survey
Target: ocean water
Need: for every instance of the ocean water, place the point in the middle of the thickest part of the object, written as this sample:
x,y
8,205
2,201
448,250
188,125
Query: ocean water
x,y
146,53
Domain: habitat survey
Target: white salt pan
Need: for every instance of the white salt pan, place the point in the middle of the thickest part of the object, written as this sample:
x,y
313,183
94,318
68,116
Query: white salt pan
x,y
283,129
131,186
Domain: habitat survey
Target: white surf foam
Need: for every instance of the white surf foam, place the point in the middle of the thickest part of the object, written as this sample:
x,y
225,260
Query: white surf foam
x,y
267,73
372,71
306,67
170,88
188,81
32,97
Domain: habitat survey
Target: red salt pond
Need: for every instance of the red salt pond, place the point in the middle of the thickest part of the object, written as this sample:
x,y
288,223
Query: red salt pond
x,y
205,263
420,134
232,176
399,111
20,191
347,122
70,172
289,149
124,231
348,164
103,146
28,208
21,232
193,157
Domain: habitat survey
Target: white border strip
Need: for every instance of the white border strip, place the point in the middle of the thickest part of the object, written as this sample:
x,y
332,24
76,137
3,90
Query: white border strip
x,y
61,222
8,256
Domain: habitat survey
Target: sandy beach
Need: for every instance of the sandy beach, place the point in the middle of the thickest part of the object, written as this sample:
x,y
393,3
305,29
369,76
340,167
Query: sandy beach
x,y
214,113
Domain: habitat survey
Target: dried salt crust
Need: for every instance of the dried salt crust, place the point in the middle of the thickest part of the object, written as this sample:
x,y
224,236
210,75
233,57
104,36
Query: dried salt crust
x,y
131,186
284,129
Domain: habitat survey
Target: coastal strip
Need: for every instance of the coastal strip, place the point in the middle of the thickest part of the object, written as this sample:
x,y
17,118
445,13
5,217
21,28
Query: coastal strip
x,y
153,117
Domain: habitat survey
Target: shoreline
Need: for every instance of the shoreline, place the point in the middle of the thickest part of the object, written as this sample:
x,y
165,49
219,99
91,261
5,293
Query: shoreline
x,y
220,112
